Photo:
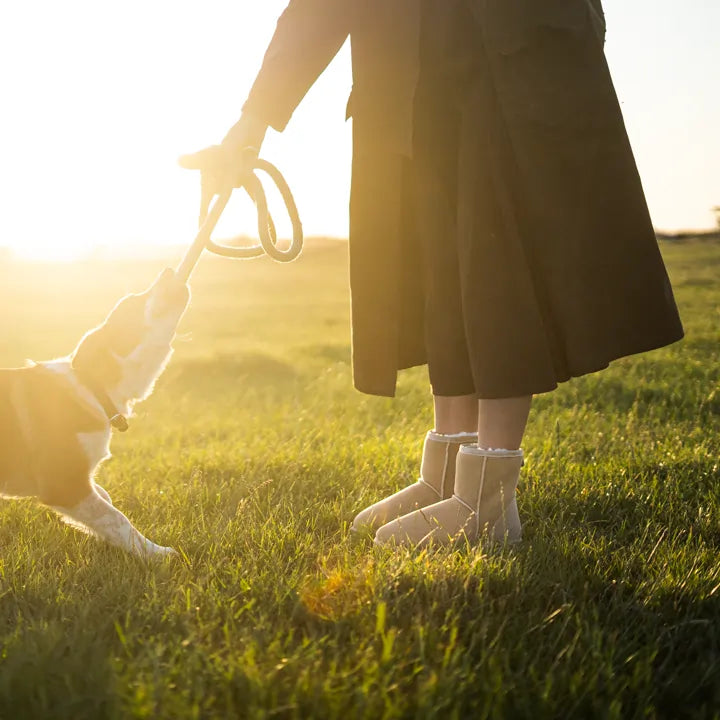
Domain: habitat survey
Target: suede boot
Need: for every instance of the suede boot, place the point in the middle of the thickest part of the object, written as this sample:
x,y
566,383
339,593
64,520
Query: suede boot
x,y
483,505
436,482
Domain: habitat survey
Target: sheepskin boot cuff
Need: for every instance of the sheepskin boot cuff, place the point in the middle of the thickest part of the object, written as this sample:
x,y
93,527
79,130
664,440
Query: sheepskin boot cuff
x,y
483,505
436,482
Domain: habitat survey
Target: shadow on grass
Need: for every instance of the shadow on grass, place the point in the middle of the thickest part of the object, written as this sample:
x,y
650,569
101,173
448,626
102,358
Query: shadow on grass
x,y
639,555
678,496
577,619
695,400
62,621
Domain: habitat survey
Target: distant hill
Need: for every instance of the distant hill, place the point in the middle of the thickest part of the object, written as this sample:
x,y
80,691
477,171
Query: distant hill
x,y
685,235
154,251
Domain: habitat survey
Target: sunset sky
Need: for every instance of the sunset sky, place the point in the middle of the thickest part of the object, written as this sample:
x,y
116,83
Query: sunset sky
x,y
99,99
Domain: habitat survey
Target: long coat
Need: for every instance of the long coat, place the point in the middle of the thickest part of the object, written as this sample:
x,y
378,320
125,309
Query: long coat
x,y
618,242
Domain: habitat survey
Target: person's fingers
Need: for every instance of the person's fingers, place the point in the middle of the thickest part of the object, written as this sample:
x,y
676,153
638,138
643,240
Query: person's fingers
x,y
191,161
209,162
201,160
221,168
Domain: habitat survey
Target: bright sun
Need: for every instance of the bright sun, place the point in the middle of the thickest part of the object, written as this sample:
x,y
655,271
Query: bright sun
x,y
102,108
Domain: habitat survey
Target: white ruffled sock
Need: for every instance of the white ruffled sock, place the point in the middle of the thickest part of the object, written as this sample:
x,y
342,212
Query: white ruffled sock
x,y
96,516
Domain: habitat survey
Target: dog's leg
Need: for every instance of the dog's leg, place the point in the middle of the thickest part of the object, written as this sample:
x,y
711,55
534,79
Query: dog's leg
x,y
96,516
103,493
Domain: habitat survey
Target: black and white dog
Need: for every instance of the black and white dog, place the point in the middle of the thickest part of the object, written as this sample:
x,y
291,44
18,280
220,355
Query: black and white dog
x,y
56,417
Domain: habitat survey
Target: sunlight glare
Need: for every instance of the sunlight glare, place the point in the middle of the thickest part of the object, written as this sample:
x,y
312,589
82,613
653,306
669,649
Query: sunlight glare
x,y
100,99
151,81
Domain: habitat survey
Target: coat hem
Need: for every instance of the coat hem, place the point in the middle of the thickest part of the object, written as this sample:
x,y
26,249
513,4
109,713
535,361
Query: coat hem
x,y
388,389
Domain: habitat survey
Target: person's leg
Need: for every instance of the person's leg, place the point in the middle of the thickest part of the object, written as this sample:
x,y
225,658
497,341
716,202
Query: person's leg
x,y
455,414
501,423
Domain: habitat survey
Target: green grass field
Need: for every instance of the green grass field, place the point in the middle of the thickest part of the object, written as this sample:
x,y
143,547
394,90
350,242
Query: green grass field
x,y
254,454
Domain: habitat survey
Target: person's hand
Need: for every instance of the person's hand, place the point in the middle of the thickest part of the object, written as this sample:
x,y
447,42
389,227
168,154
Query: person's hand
x,y
221,166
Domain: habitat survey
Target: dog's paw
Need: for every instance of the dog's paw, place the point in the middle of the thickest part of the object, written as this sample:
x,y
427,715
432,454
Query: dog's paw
x,y
152,551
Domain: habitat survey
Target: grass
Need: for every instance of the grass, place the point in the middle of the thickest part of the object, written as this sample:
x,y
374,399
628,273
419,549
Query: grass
x,y
252,457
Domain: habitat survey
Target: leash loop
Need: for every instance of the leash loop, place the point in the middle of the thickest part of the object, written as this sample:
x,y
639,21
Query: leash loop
x,y
266,227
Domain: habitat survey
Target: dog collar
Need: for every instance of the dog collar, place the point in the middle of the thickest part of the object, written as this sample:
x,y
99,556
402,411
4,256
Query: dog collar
x,y
117,420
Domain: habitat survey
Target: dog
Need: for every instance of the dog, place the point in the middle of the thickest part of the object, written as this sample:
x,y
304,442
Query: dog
x,y
56,418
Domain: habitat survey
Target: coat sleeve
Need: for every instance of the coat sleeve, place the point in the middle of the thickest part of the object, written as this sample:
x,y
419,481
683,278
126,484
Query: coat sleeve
x,y
309,34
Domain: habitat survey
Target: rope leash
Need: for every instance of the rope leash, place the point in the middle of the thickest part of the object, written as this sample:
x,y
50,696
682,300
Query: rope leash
x,y
266,227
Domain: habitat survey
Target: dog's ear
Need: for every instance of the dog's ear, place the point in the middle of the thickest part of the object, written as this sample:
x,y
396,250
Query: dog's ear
x,y
94,357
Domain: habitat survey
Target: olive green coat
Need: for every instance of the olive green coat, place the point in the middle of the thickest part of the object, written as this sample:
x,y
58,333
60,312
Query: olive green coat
x,y
385,276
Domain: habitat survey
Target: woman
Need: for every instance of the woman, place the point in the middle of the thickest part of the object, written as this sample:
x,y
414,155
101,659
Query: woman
x,y
498,228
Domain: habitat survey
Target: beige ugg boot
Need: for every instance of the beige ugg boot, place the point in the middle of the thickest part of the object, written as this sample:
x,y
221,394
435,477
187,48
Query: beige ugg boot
x,y
483,505
436,482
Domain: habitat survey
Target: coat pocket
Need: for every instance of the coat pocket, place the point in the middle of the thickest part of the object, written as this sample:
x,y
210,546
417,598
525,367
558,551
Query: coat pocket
x,y
508,26
555,74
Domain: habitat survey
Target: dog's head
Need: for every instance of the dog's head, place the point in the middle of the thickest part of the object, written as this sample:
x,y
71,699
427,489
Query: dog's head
x,y
127,353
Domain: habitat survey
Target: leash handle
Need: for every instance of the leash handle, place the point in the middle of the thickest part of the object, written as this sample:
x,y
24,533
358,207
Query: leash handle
x,y
266,226
194,252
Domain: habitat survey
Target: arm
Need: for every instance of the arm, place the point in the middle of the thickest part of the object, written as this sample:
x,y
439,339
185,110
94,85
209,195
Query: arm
x,y
309,34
